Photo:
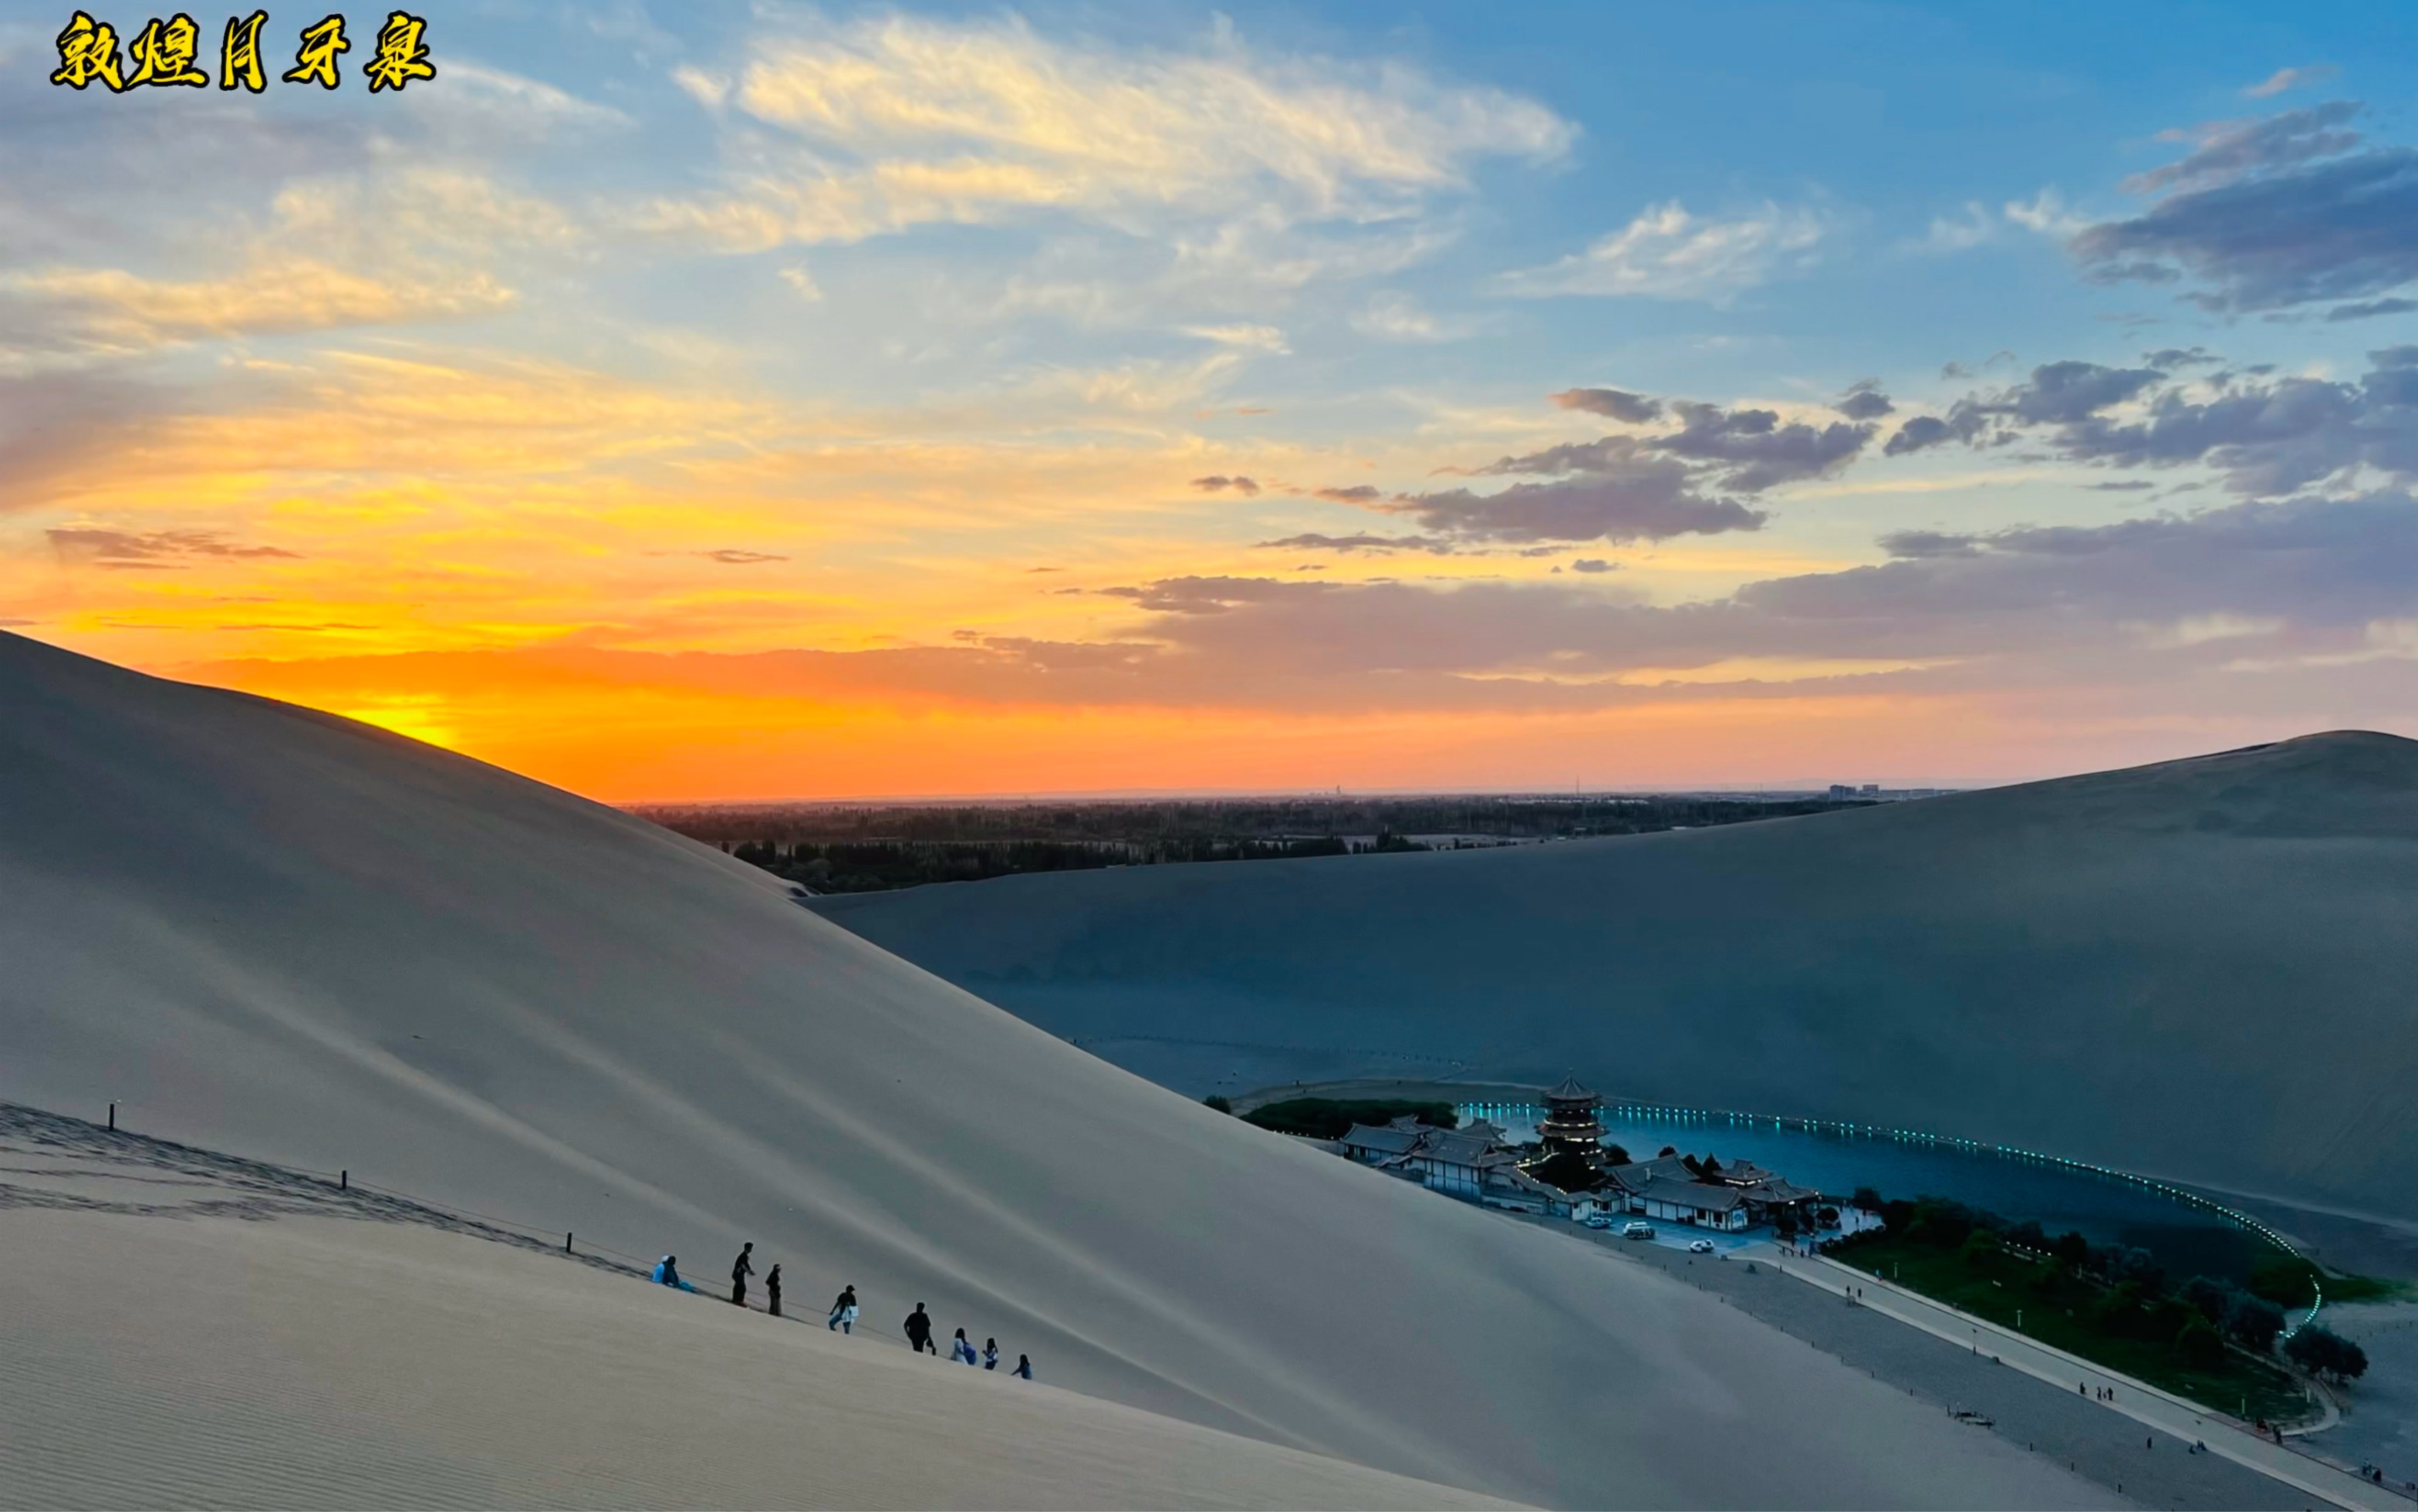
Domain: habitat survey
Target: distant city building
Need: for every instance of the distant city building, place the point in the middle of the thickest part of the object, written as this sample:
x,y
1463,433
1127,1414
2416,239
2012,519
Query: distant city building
x,y
1840,791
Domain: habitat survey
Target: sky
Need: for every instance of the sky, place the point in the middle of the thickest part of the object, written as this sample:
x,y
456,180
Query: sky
x,y
718,401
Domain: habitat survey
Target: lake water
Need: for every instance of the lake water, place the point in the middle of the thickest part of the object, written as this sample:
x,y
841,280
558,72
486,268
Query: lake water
x,y
2188,1241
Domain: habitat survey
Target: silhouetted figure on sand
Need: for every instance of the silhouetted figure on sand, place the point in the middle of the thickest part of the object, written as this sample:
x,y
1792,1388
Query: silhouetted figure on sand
x,y
842,1313
1023,1370
740,1269
963,1352
772,1291
990,1354
918,1331
667,1273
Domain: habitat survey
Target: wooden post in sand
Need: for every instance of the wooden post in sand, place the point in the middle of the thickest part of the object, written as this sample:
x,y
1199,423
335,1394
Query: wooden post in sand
x,y
345,1181
566,1244
112,1118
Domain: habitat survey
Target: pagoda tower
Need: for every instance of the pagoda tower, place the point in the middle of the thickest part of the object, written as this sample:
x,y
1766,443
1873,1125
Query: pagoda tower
x,y
1572,1122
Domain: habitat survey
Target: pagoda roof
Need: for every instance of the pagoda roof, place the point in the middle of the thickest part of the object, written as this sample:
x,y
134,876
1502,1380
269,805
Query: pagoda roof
x,y
1570,1091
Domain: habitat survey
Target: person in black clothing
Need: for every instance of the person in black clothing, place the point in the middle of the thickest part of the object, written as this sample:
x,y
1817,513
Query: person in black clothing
x,y
918,1331
842,1313
772,1291
740,1269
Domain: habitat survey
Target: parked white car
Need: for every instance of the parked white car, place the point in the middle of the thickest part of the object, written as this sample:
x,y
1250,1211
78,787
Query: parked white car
x,y
1637,1230
1598,1220
1700,1247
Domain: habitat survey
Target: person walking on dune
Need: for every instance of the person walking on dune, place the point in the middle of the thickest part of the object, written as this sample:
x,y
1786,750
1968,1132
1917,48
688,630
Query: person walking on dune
x,y
990,1354
842,1313
963,1352
772,1291
740,1269
1023,1370
918,1331
667,1273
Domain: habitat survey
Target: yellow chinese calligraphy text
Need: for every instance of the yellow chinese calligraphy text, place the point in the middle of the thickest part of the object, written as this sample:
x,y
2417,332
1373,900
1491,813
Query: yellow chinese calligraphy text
x,y
88,51
239,53
401,54
315,63
164,52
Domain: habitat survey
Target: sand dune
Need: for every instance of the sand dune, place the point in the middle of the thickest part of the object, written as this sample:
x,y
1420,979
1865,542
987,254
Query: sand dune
x,y
282,934
321,1363
2199,968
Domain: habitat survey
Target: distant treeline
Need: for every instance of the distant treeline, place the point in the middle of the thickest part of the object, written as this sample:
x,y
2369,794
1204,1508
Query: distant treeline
x,y
871,847
1331,1118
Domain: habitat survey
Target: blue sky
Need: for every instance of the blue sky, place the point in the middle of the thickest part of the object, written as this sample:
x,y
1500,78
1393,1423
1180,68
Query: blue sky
x,y
1707,393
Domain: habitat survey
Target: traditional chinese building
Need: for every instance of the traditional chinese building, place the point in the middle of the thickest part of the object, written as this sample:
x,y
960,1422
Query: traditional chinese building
x,y
1469,1163
1573,1121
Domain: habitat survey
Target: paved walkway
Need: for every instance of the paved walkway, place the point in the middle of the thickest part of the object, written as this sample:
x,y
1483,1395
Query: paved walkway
x,y
2054,1422
2136,1400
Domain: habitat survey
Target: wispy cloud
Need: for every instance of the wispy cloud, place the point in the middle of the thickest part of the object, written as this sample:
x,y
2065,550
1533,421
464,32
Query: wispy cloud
x,y
1669,253
899,121
2283,79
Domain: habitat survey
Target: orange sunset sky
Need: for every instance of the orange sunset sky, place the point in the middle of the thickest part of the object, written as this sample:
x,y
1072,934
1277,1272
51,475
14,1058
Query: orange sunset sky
x,y
745,402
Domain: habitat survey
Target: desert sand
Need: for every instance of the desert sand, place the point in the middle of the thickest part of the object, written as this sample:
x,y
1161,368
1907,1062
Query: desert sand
x,y
289,937
2197,970
317,1362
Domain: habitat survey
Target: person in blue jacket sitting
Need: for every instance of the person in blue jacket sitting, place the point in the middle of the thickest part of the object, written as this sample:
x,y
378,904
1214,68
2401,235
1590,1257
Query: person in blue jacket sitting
x,y
667,1273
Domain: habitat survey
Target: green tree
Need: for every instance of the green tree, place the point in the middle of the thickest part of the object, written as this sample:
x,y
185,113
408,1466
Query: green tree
x,y
2199,1345
2254,1322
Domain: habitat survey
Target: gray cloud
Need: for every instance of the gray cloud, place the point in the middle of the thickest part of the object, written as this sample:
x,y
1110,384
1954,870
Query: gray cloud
x,y
1355,494
2171,357
2070,391
1594,564
2304,575
1864,400
1646,499
1218,484
2057,392
1746,450
2268,436
124,548
1919,431
2370,309
2271,214
1434,545
1613,404
2229,150
733,556
1756,450
1921,543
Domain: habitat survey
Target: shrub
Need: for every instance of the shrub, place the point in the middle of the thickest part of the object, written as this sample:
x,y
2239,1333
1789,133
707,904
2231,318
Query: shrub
x,y
1217,1102
2199,1345
2324,1352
